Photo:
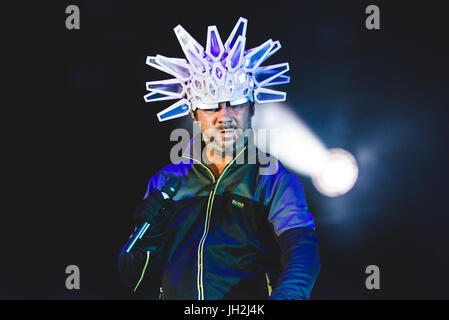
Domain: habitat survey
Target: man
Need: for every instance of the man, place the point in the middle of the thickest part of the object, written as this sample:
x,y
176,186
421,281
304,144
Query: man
x,y
235,228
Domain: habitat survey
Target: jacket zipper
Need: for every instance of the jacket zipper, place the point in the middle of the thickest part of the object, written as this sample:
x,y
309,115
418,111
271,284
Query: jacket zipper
x,y
199,276
200,262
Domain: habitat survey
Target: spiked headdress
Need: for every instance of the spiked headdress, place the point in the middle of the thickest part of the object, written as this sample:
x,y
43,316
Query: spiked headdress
x,y
221,72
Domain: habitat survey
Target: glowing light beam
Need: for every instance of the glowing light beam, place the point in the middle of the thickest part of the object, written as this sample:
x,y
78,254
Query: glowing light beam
x,y
333,171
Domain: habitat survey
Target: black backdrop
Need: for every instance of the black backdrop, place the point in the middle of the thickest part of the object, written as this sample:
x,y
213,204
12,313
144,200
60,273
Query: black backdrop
x,y
85,144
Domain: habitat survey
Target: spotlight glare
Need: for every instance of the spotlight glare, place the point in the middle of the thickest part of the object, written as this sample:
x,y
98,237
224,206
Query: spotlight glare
x,y
338,175
333,171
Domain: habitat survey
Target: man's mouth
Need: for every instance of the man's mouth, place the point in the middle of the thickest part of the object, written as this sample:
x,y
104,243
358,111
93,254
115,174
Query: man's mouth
x,y
226,132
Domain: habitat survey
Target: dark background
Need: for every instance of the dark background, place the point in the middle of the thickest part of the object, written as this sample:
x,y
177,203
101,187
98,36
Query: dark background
x,y
85,143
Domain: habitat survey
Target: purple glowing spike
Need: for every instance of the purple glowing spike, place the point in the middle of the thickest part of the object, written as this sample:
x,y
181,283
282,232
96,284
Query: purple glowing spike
x,y
235,58
238,31
257,55
264,75
214,47
263,95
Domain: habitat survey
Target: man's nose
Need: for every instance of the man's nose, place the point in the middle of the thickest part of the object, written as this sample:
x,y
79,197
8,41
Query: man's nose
x,y
224,114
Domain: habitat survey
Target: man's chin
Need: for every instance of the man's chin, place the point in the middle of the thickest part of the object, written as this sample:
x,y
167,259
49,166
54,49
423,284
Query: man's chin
x,y
227,148
224,149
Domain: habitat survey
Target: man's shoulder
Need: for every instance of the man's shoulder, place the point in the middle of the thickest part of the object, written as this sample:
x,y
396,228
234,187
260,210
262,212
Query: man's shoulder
x,y
178,170
175,169
270,165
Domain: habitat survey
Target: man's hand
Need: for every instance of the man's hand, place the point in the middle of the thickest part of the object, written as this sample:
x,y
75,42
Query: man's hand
x,y
155,210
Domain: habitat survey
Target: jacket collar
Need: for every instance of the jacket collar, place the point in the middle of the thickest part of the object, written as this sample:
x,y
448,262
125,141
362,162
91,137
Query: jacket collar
x,y
248,154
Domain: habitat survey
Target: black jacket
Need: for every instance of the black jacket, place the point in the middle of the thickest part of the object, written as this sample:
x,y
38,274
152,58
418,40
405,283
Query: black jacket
x,y
245,235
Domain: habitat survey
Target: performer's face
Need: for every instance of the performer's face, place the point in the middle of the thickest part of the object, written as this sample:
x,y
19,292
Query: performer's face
x,y
223,128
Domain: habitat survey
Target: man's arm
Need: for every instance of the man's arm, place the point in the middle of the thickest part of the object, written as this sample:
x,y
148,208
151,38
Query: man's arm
x,y
300,264
141,268
296,236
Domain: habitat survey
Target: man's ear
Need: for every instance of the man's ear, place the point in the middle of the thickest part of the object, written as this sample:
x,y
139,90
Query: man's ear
x,y
193,115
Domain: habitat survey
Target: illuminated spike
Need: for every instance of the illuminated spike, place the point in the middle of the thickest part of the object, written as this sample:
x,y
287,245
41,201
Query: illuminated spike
x,y
281,79
256,56
192,50
235,58
151,61
214,47
238,31
175,67
179,60
274,49
176,110
264,95
172,87
199,64
185,39
157,96
266,74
